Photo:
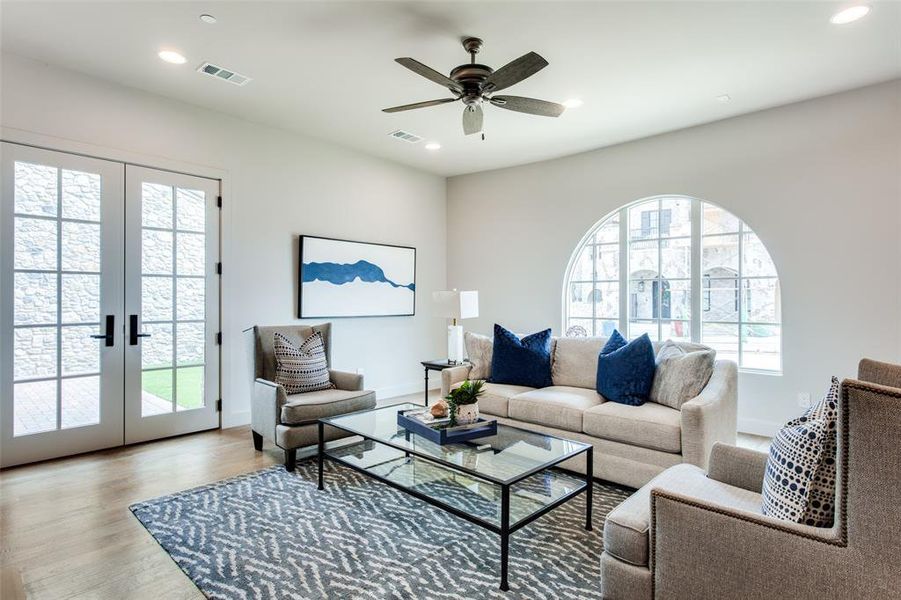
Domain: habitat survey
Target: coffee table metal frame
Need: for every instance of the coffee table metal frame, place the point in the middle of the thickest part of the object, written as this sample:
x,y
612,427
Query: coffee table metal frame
x,y
504,530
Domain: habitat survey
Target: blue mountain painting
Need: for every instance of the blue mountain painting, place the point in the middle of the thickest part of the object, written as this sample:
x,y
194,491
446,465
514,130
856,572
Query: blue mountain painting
x,y
345,273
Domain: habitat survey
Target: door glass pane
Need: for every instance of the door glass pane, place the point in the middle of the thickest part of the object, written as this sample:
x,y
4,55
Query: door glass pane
x,y
156,351
80,402
35,244
80,352
80,299
156,392
35,299
81,195
156,298
34,407
81,247
156,205
191,211
189,386
189,343
156,252
190,299
34,352
191,254
35,189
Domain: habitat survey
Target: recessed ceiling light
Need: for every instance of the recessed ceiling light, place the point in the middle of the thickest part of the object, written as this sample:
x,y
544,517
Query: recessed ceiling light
x,y
849,15
208,18
724,98
573,103
171,56
433,146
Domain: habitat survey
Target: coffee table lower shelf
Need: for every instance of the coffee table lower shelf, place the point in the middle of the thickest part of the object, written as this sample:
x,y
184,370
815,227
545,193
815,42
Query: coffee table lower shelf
x,y
502,508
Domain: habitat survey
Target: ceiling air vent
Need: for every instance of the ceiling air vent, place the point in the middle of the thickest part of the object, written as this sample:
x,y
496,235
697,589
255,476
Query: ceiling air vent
x,y
224,74
405,136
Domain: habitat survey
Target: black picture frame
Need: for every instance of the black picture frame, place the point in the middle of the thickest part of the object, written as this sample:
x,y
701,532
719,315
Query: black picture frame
x,y
300,263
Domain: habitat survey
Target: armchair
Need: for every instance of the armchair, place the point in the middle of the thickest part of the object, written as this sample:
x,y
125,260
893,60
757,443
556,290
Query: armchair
x,y
289,421
687,534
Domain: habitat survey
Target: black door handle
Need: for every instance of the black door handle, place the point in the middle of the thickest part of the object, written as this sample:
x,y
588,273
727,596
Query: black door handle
x,y
133,334
110,335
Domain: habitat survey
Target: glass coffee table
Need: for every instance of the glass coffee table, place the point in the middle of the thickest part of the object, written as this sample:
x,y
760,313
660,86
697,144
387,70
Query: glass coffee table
x,y
502,482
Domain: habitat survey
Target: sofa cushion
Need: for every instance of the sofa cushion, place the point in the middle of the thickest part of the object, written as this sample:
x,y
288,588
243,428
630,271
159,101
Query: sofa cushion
x,y
478,350
525,361
680,375
308,407
557,406
649,425
576,361
495,397
626,527
625,373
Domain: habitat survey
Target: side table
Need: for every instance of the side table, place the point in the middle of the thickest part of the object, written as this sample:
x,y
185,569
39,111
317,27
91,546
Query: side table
x,y
435,365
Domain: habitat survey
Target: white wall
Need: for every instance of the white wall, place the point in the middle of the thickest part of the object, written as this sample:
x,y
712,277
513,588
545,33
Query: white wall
x,y
277,185
818,181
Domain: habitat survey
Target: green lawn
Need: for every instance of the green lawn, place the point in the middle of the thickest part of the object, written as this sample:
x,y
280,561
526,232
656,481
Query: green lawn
x,y
189,386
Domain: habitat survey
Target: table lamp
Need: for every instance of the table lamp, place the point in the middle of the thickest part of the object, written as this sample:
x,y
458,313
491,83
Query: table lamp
x,y
456,305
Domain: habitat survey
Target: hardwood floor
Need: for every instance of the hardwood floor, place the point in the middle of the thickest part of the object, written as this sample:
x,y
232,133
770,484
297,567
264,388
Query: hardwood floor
x,y
65,527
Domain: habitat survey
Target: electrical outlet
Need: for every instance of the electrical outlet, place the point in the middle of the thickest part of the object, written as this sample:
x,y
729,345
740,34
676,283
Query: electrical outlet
x,y
804,399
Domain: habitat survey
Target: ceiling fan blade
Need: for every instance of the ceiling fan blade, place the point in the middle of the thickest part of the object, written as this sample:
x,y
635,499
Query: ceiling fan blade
x,y
531,106
472,119
425,104
515,71
429,73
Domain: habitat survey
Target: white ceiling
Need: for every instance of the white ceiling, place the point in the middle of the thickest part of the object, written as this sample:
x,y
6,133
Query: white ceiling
x,y
326,69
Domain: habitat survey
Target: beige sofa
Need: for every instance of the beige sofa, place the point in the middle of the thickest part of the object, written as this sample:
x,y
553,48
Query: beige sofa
x,y
632,444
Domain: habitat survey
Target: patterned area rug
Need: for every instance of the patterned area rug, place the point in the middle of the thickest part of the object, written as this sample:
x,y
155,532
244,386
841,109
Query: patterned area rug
x,y
272,534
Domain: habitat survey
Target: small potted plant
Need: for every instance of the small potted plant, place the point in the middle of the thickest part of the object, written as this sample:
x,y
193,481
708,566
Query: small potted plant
x,y
463,402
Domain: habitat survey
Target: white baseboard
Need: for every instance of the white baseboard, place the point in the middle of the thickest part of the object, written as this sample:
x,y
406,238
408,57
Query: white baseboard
x,y
403,389
758,427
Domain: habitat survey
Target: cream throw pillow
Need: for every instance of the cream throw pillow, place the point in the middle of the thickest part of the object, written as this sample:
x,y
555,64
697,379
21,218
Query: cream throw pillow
x,y
680,375
479,349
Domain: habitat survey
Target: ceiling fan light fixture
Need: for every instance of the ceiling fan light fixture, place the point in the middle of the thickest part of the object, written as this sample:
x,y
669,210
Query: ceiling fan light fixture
x,y
208,19
573,103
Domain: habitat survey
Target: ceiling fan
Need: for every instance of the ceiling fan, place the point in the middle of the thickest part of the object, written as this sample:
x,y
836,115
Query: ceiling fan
x,y
474,84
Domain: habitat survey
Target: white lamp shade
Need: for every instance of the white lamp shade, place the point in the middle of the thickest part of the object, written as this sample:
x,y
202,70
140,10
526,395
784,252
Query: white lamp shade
x,y
457,305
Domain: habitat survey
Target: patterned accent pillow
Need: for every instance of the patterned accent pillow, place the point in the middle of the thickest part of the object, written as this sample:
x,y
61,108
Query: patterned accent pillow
x,y
799,483
301,369
479,350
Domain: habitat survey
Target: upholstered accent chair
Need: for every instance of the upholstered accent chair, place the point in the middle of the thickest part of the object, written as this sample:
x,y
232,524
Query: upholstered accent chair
x,y
290,421
690,534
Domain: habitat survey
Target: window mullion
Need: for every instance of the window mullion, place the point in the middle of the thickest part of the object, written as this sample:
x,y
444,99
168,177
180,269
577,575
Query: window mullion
x,y
738,292
695,268
624,271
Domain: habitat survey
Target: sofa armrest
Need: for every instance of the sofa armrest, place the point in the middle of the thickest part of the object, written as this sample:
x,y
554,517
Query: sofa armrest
x,y
343,380
266,407
453,375
712,415
736,466
703,550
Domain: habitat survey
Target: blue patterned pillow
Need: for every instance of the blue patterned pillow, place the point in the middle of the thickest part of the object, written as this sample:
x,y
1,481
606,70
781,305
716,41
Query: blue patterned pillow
x,y
626,370
799,483
521,362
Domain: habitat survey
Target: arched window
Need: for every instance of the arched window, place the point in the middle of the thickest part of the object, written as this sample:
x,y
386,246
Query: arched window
x,y
678,268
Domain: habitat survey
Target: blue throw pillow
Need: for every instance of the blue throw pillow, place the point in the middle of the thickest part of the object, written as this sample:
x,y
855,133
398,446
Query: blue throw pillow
x,y
626,370
521,362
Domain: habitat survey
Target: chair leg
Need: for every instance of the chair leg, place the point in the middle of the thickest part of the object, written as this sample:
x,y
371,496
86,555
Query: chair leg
x,y
257,441
290,459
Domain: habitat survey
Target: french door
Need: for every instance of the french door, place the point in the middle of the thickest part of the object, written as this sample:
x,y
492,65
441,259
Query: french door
x,y
96,254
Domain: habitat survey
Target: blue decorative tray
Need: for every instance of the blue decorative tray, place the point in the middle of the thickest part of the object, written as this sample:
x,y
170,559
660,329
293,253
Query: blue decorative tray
x,y
447,436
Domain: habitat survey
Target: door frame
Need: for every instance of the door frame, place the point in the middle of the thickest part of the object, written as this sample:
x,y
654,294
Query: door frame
x,y
52,143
